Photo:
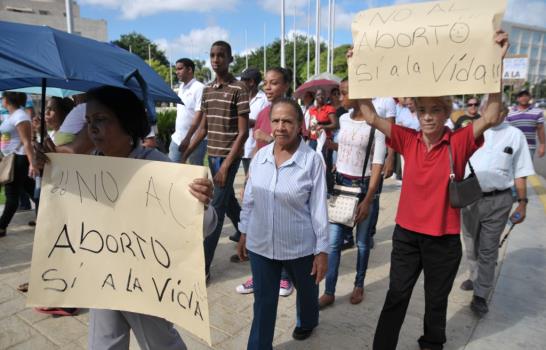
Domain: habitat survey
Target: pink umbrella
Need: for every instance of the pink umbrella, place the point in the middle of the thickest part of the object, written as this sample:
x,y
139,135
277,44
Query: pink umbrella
x,y
313,85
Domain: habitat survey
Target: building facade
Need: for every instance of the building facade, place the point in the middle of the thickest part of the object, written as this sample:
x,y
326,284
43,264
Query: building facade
x,y
52,13
531,42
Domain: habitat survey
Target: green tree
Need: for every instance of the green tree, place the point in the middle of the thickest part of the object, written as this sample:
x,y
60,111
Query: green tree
x,y
256,58
202,73
162,70
138,45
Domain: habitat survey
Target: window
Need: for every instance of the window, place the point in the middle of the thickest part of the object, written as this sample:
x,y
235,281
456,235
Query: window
x,y
525,36
515,34
19,9
534,52
536,38
524,49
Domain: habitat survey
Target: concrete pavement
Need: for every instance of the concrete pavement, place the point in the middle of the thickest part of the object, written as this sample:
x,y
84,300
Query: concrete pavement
x,y
517,318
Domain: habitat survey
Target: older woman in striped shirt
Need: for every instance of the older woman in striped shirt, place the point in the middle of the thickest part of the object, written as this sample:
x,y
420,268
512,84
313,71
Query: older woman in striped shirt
x,y
284,222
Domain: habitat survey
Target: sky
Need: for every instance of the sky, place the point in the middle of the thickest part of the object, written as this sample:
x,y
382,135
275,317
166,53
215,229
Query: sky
x,y
187,28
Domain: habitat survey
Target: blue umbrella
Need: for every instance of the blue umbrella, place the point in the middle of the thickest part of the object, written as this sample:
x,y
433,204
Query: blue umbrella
x,y
29,54
50,91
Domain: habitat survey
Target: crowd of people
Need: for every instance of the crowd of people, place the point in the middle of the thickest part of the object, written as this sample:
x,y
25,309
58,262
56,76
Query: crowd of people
x,y
296,157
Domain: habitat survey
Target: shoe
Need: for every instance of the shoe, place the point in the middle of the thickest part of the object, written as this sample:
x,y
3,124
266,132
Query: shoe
x,y
301,333
347,245
32,223
2,232
357,296
467,285
57,311
326,300
24,209
23,288
235,237
235,258
286,288
479,306
246,288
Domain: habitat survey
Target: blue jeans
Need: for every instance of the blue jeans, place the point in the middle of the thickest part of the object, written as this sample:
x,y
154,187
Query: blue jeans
x,y
225,203
266,274
196,158
338,232
374,208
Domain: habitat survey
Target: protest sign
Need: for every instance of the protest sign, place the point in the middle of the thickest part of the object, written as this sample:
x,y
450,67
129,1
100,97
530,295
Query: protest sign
x,y
515,68
121,234
426,49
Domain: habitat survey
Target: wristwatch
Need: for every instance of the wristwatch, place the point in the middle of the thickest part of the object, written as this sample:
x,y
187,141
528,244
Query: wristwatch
x,y
525,200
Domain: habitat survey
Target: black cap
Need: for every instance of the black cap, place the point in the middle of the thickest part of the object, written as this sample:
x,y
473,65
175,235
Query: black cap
x,y
252,73
523,92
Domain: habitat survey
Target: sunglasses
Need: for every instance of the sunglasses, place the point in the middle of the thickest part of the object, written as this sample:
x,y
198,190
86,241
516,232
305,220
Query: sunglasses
x,y
472,105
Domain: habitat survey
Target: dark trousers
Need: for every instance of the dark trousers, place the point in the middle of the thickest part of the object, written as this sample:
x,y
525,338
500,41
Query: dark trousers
x,y
266,274
225,203
21,183
439,258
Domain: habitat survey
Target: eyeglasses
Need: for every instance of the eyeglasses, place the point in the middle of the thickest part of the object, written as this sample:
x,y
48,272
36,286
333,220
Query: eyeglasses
x,y
472,105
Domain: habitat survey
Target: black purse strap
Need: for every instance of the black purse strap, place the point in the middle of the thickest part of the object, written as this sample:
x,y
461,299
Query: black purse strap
x,y
368,151
452,172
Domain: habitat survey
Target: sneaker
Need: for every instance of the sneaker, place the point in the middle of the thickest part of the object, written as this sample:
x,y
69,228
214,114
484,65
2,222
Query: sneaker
x,y
246,288
235,259
467,285
479,306
347,245
286,288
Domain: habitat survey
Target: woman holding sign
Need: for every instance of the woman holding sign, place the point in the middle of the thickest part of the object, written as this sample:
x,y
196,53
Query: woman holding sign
x,y
117,123
426,236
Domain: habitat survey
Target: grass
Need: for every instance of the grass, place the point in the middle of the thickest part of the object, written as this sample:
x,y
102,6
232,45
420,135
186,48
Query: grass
x,y
2,196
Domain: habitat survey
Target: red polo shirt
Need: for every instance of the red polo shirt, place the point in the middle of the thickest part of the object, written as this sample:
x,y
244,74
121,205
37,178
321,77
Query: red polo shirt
x,y
424,201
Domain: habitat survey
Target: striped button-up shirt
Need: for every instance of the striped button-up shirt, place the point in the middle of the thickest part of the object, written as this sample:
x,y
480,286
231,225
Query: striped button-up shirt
x,y
284,211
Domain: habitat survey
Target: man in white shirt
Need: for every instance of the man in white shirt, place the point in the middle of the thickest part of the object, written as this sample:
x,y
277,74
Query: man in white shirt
x,y
258,101
188,115
503,161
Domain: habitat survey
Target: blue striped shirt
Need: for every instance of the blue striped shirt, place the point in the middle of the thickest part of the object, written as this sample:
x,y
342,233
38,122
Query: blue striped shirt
x,y
284,212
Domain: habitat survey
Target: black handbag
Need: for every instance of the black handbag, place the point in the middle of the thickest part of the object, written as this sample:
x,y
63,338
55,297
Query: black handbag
x,y
465,192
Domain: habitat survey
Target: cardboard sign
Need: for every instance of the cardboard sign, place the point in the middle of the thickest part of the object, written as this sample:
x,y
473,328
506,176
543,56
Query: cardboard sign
x,y
515,68
426,49
121,234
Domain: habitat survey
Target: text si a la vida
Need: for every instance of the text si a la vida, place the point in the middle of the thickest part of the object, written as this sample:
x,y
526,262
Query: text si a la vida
x,y
399,50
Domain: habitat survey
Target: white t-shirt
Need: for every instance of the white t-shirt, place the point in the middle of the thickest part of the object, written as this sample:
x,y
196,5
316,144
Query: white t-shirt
x,y
10,141
258,103
385,107
407,119
75,120
503,157
352,141
191,94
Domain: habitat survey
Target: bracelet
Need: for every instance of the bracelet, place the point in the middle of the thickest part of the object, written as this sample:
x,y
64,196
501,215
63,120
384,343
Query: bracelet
x,y
524,200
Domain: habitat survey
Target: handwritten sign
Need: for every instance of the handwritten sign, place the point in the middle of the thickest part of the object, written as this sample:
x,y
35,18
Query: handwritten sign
x,y
121,234
426,49
515,68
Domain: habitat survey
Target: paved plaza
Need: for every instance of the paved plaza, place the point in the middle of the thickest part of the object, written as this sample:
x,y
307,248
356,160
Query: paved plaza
x,y
517,319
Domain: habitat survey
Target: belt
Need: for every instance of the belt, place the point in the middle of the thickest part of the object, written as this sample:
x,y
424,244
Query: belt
x,y
495,192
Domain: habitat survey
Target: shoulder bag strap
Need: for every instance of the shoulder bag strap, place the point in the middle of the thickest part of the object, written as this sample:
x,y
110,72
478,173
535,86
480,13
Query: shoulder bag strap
x,y
368,151
452,172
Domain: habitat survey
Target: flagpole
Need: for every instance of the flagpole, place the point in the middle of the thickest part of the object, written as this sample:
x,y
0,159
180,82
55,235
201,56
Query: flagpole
x,y
317,38
265,52
329,36
308,37
333,35
294,37
246,50
283,65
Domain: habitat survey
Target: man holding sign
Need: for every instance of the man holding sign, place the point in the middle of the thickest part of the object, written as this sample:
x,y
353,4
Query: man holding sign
x,y
124,237
426,236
